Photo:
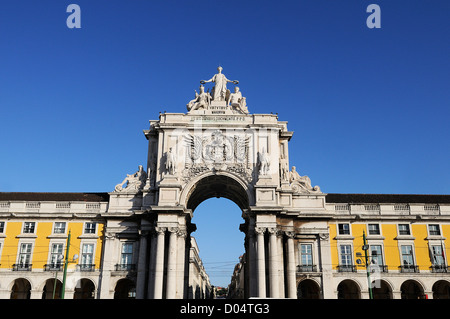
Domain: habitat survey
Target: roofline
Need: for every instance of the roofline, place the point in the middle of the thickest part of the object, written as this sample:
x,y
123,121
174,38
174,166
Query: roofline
x,y
330,197
54,196
387,198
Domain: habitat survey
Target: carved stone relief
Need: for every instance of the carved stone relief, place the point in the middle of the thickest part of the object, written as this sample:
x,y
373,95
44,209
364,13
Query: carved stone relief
x,y
217,151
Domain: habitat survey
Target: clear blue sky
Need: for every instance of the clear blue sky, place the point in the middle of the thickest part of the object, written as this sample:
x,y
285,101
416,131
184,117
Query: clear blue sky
x,y
369,107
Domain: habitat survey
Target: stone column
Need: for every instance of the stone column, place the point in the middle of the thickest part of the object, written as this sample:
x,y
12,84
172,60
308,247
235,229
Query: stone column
x,y
273,263
181,262
291,272
260,262
328,288
152,264
5,293
141,266
281,279
35,294
159,263
108,262
69,294
251,266
172,264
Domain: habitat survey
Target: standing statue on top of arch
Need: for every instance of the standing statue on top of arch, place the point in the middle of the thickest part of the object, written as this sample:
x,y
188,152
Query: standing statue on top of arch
x,y
220,88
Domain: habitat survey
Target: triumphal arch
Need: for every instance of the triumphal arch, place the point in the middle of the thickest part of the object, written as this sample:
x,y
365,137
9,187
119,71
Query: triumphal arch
x,y
217,149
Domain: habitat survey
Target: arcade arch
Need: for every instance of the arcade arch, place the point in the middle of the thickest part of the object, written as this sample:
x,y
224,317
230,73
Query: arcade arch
x,y
308,289
411,289
21,289
441,289
348,289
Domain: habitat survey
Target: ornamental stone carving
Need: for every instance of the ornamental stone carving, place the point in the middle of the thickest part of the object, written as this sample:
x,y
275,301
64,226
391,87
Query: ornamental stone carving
x,y
290,234
215,152
260,230
301,184
134,182
159,231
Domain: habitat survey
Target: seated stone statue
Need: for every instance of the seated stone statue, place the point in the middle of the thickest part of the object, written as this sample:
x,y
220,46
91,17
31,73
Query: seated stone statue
x,y
237,101
135,181
201,100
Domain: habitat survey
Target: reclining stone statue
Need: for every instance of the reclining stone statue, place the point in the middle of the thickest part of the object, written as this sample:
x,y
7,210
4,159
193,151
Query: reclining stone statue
x,y
134,182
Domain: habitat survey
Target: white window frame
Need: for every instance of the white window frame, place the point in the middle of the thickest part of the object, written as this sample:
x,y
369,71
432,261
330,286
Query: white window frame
x,y
25,228
352,258
349,229
409,229
58,233
80,257
131,255
311,254
368,229
51,254
382,253
85,228
413,253
439,229
433,260
19,252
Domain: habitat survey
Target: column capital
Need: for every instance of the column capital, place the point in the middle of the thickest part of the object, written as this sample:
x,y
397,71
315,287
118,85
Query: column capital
x,y
182,232
260,230
109,235
324,236
272,230
160,230
173,229
290,234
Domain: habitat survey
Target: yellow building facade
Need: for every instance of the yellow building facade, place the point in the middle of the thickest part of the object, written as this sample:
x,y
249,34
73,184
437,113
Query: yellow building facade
x,y
407,244
103,257
34,234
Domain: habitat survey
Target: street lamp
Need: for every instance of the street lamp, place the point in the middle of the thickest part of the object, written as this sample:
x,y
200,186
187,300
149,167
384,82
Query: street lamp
x,y
58,262
66,262
365,247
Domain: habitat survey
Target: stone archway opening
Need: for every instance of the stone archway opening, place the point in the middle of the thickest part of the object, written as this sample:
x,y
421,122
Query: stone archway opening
x,y
411,289
125,289
21,289
52,289
85,289
220,243
218,202
348,289
308,289
381,290
217,186
441,289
